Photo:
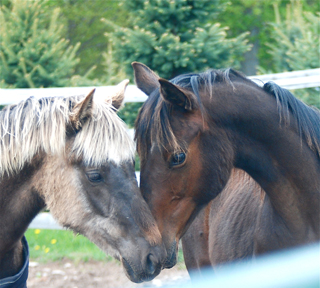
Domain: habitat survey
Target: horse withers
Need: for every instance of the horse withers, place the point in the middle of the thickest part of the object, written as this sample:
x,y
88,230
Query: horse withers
x,y
73,155
194,130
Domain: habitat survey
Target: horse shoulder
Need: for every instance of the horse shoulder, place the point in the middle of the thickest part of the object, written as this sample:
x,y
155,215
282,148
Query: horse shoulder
x,y
233,220
195,244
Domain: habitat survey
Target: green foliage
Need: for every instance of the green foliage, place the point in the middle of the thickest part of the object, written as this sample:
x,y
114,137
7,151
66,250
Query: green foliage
x,y
82,23
174,37
113,74
129,113
113,71
252,16
255,17
296,35
32,51
6,3
310,96
297,46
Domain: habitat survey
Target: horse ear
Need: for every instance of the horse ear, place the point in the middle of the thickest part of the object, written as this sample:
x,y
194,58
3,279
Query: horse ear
x,y
118,97
82,111
176,95
145,79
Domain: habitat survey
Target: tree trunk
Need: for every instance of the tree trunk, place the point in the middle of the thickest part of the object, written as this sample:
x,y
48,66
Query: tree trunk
x,y
250,63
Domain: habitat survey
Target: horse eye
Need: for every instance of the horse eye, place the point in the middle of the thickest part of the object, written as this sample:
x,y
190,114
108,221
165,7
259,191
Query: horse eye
x,y
178,159
94,177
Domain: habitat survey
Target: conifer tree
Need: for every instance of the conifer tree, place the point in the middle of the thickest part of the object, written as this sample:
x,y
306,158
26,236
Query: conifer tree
x,y
33,52
174,37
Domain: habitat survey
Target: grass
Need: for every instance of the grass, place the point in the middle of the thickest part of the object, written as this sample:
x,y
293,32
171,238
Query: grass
x,y
54,245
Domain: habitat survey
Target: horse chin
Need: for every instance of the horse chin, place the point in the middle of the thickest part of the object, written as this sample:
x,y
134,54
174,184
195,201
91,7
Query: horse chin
x,y
132,275
171,259
129,272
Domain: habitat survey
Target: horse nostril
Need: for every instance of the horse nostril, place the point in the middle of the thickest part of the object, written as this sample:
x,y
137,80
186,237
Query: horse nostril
x,y
151,264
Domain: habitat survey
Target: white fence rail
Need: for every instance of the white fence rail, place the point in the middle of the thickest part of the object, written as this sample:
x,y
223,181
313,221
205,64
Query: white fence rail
x,y
293,80
45,221
12,96
289,80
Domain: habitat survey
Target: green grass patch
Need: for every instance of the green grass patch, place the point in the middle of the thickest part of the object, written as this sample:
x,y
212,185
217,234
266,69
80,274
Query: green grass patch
x,y
53,245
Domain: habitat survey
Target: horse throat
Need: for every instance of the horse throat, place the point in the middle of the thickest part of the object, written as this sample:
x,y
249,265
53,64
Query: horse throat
x,y
11,261
19,204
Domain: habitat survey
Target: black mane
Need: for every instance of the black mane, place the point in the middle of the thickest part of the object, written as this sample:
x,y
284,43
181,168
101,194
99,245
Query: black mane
x,y
308,118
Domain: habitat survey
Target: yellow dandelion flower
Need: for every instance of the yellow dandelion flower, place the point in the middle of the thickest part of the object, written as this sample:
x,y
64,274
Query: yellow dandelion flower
x,y
53,241
47,250
37,231
37,247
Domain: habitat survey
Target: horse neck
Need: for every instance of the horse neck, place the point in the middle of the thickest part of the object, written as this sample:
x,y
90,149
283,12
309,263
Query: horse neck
x,y
275,156
19,205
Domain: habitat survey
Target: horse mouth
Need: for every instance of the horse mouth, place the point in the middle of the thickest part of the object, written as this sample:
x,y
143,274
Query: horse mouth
x,y
171,259
137,278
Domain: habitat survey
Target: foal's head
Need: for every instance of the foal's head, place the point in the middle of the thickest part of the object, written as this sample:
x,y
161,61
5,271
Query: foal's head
x,y
83,168
174,147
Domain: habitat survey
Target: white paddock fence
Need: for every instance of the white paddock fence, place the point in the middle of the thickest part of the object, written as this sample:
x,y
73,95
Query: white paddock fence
x,y
289,80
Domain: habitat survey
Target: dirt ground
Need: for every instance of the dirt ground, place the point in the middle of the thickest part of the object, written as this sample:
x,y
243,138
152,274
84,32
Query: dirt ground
x,y
93,274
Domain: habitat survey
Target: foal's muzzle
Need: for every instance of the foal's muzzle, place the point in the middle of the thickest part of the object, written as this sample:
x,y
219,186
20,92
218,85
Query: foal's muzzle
x,y
150,266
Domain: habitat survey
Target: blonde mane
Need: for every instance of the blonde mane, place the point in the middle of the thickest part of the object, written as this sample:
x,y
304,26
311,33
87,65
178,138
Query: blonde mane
x,y
33,126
